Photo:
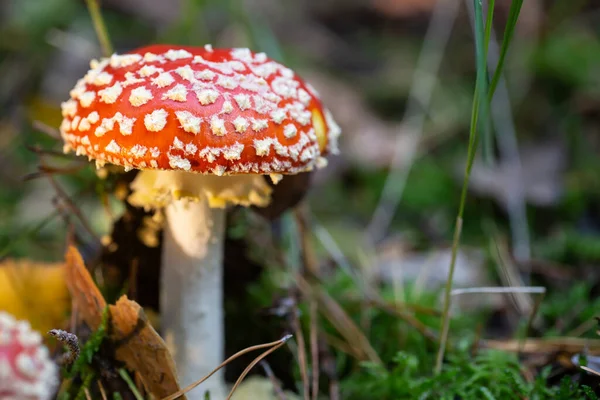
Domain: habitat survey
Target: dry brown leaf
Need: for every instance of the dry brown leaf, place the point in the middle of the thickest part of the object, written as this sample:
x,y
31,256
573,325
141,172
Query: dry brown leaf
x,y
35,292
141,348
138,345
87,299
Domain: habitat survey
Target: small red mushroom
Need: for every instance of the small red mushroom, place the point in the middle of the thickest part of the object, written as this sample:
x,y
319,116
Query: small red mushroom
x,y
204,125
26,371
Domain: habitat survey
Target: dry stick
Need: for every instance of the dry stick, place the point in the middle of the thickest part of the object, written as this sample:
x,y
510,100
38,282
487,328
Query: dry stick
x,y
546,345
361,346
72,207
329,367
301,352
253,363
102,391
587,369
311,265
371,297
314,349
87,394
430,57
99,27
276,385
47,129
227,361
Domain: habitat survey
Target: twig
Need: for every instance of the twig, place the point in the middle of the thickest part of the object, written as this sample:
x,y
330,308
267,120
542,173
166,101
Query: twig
x,y
100,27
183,391
253,363
276,385
314,349
591,371
87,393
311,265
47,129
495,289
71,342
72,207
295,321
341,321
430,57
102,390
329,368
546,345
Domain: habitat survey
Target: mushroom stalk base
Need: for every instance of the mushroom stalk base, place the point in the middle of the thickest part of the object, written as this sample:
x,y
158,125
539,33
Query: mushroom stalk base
x,y
192,293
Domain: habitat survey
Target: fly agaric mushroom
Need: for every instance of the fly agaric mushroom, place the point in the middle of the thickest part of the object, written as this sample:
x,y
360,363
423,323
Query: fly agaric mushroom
x,y
205,126
26,371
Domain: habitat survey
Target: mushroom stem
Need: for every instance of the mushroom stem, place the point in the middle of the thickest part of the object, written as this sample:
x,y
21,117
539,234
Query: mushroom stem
x,y
192,292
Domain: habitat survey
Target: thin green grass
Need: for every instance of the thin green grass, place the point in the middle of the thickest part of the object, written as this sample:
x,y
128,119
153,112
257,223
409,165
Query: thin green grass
x,y
481,104
100,27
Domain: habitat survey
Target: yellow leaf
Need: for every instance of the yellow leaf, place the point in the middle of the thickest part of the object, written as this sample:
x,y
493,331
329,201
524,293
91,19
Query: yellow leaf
x,y
36,292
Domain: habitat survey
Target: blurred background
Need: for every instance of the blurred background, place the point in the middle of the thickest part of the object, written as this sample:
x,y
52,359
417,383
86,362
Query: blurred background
x,y
398,76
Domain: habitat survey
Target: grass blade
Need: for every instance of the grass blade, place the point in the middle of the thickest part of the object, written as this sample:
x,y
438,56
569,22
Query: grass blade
x,y
513,15
100,27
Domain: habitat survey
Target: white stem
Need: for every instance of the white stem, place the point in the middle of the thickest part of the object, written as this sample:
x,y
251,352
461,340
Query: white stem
x,y
192,293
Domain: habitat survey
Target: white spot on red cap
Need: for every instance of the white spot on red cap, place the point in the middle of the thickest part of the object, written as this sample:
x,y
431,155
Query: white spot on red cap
x,y
304,97
278,116
156,120
227,107
186,73
163,80
103,78
243,101
138,150
241,124
242,54
227,82
174,55
69,108
233,152
110,94
217,125
290,131
205,75
177,93
263,146
113,147
107,124
140,96
207,96
178,162
149,70
189,122
125,60
84,125
75,122
86,99
259,124
93,117
191,149
131,79
125,124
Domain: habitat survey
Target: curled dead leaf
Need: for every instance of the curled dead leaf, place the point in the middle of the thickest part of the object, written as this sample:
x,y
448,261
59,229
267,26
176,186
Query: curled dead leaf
x,y
137,344
141,348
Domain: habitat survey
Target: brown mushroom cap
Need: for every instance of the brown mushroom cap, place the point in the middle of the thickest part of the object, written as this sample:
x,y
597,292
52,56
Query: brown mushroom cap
x,y
204,110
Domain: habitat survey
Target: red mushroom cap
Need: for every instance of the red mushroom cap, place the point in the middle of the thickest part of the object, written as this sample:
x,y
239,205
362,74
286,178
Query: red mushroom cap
x,y
26,371
220,111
